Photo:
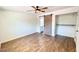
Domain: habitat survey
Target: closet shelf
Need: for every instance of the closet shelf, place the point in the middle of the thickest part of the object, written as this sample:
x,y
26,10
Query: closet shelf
x,y
65,25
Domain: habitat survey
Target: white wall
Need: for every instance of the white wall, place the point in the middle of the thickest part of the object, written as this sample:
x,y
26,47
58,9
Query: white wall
x,y
38,24
15,24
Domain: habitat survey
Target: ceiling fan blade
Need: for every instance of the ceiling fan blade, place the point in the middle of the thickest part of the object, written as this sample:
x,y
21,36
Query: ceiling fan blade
x,y
33,7
45,8
41,10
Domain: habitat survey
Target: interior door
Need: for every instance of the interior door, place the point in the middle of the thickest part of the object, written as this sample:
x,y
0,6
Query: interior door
x,y
77,33
48,24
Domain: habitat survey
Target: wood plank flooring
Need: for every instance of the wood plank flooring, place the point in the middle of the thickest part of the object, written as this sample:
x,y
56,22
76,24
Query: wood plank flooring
x,y
40,43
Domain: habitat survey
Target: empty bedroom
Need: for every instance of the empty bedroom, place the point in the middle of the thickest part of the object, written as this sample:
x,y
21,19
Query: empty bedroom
x,y
39,28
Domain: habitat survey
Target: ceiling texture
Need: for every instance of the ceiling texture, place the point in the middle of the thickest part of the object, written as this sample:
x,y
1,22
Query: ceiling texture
x,y
29,9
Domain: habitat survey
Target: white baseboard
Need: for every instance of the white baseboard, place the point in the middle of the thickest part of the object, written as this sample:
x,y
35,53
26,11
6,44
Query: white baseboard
x,y
16,37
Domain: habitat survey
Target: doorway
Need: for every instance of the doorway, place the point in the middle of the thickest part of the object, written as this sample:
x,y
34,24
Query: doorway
x,y
46,24
41,24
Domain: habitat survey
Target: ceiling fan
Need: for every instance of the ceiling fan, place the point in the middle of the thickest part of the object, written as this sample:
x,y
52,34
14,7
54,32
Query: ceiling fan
x,y
39,9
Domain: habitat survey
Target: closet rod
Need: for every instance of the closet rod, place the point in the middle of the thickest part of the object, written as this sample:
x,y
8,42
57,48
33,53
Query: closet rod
x,y
65,25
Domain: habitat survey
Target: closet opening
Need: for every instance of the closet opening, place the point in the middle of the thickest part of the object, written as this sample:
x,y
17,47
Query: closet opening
x,y
66,25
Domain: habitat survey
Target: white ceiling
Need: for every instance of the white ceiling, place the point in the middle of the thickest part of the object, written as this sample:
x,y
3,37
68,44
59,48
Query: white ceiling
x,y
55,8
28,8
16,8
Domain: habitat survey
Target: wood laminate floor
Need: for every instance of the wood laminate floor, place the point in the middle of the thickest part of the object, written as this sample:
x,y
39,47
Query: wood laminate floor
x,y
40,43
